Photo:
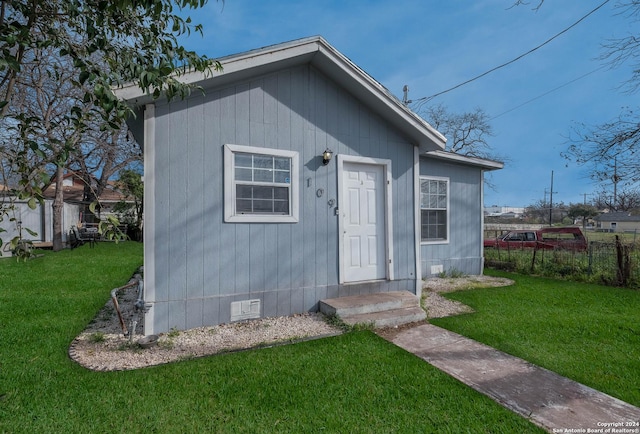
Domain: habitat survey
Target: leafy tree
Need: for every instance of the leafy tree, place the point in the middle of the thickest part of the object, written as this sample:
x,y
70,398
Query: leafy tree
x,y
583,212
43,101
95,154
107,43
138,41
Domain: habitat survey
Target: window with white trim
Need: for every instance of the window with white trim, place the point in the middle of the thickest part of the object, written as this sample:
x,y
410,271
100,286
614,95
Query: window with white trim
x,y
434,209
261,185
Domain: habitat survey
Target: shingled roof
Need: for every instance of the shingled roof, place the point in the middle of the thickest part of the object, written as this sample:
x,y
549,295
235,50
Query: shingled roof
x,y
618,217
73,187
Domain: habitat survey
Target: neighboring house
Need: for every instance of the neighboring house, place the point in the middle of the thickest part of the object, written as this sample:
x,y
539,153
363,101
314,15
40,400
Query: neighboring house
x,y
74,193
618,222
17,217
246,215
503,211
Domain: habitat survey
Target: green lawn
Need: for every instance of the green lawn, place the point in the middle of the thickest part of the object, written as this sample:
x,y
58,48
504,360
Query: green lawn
x,y
357,382
586,332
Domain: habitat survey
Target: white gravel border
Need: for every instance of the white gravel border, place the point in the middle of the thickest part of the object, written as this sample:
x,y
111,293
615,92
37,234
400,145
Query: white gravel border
x,y
103,346
115,353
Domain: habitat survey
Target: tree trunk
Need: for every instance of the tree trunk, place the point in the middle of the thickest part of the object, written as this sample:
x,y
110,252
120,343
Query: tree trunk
x,y
58,206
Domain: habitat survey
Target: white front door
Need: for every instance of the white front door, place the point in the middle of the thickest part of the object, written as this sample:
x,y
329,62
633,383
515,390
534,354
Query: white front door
x,y
363,213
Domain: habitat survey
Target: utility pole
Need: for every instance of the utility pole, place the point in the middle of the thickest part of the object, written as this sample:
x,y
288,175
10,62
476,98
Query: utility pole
x,y
551,201
616,178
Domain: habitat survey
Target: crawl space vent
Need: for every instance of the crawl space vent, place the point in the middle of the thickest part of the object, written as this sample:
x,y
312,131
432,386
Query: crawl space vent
x,y
245,309
437,269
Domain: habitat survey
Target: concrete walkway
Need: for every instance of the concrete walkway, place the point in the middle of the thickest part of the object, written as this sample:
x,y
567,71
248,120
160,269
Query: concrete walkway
x,y
550,401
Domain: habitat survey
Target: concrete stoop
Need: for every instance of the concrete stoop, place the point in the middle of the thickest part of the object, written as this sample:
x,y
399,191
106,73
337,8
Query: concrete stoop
x,y
384,309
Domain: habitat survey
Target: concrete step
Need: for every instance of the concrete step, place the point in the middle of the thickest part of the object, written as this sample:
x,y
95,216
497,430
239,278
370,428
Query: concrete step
x,y
367,303
384,309
387,318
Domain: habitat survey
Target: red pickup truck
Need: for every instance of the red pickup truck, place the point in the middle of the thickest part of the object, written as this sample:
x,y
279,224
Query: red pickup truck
x,y
569,238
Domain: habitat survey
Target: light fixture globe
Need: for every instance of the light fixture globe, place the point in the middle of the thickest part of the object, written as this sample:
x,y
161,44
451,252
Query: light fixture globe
x,y
326,156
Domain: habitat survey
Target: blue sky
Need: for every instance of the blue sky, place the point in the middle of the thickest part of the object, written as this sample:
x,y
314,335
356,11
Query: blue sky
x,y
433,45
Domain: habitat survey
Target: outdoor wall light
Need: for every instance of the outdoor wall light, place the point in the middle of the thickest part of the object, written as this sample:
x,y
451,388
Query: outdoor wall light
x,y
326,156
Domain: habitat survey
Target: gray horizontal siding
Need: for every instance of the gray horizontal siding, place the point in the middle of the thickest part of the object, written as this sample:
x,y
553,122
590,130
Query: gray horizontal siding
x,y
202,264
463,252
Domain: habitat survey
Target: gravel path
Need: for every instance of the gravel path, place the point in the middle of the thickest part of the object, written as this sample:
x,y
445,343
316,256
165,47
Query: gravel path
x,y
438,306
104,347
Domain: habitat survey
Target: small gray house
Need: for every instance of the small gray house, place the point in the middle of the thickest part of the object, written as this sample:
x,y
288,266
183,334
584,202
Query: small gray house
x,y
618,222
292,178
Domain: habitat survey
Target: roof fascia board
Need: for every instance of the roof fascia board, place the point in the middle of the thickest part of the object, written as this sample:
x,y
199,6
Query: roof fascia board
x,y
427,137
231,65
463,159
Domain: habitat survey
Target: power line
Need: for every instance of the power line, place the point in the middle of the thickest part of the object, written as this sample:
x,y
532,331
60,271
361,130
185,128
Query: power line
x,y
424,100
547,93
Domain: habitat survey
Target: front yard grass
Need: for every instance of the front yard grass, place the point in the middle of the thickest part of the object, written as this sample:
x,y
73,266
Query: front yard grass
x,y
356,383
587,332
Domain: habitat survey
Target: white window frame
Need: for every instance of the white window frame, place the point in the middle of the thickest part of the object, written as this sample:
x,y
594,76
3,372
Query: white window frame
x,y
448,210
230,214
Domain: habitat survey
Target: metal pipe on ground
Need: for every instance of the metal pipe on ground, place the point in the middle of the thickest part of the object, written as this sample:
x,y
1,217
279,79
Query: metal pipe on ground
x,y
114,299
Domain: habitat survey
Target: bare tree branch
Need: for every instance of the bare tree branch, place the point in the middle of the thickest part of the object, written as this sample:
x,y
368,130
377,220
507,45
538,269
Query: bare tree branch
x,y
526,3
467,133
607,148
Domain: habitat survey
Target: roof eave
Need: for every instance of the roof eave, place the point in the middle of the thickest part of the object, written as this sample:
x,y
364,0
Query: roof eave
x,y
452,157
233,68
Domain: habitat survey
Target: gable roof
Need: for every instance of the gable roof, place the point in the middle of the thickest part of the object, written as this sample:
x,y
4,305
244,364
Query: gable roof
x,y
617,217
319,53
